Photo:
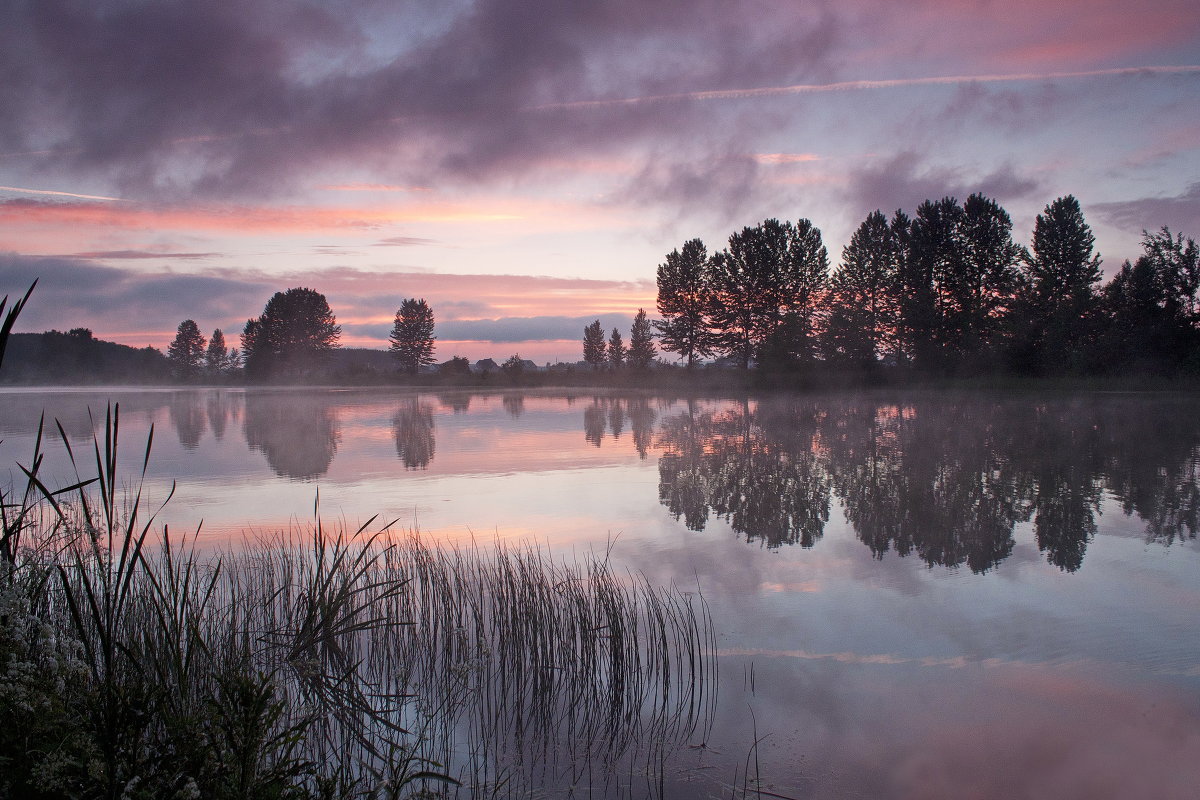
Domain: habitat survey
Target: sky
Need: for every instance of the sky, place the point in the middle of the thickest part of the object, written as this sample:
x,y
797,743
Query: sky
x,y
525,165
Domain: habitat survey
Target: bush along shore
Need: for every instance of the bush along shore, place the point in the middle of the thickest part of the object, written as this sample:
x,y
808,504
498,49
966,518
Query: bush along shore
x,y
318,664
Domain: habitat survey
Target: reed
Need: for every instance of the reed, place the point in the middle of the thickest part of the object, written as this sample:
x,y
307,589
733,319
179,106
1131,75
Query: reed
x,y
322,664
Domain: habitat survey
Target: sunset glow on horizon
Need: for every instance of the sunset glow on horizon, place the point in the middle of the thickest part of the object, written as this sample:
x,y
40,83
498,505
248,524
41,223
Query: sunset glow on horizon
x,y
182,161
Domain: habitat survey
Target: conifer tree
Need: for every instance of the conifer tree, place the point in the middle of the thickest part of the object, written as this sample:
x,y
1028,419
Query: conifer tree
x,y
616,350
594,351
216,356
412,335
641,342
186,351
1059,303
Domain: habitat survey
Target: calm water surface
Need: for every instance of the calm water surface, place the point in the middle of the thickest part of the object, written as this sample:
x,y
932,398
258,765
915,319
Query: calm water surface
x,y
914,595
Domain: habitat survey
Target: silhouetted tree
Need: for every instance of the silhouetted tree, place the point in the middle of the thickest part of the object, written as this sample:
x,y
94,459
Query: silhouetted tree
x,y
935,248
217,355
641,342
457,365
412,335
594,352
1151,307
1059,305
980,288
863,306
513,368
683,302
616,350
186,351
766,275
292,337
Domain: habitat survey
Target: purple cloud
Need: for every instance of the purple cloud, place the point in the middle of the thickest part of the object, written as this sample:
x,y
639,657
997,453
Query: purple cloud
x,y
1180,213
903,181
137,255
218,99
74,292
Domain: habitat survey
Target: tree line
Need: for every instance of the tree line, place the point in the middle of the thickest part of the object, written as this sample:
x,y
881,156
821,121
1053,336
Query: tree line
x,y
292,340
945,291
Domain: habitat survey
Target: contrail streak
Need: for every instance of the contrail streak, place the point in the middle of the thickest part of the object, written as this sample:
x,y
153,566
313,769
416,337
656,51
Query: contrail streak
x,y
58,194
895,83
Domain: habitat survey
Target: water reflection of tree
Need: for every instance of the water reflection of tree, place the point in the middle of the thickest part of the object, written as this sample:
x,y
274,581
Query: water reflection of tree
x,y
758,470
297,433
641,423
595,419
218,405
458,402
188,418
1154,468
609,416
932,481
514,404
616,418
944,479
412,427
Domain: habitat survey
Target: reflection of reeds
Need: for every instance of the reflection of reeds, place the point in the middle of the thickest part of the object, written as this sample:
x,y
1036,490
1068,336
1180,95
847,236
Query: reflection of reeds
x,y
324,664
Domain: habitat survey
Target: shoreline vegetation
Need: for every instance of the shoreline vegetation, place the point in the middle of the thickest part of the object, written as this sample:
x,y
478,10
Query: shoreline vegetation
x,y
27,359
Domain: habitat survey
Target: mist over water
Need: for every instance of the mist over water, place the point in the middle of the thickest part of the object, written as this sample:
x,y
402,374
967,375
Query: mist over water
x,y
914,594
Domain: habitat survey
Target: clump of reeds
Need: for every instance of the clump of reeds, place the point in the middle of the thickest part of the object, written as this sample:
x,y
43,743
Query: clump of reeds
x,y
318,664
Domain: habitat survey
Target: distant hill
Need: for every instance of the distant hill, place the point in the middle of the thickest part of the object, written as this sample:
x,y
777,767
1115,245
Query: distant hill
x,y
77,357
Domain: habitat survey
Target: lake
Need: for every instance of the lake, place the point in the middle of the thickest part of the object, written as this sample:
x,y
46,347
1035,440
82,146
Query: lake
x,y
913,594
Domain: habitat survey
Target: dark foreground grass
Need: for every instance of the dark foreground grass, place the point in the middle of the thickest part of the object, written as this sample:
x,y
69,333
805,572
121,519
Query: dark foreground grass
x,y
320,664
